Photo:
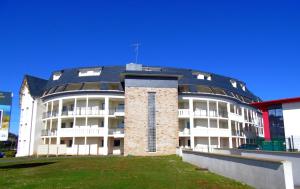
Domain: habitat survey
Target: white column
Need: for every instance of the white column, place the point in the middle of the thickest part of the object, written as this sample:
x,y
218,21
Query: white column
x,y
209,144
207,109
105,138
86,111
192,138
219,142
217,107
60,103
229,125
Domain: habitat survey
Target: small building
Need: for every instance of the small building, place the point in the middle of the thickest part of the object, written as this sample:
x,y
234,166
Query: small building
x,y
282,120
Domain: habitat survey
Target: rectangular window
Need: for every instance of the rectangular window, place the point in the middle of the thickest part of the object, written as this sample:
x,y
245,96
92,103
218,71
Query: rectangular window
x,y
69,144
151,123
101,143
117,143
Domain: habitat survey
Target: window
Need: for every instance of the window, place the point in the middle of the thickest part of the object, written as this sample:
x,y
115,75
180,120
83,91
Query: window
x,y
276,122
69,143
151,123
204,89
63,125
52,90
243,86
233,83
91,86
101,143
117,143
202,76
219,91
113,86
184,88
89,72
56,75
60,88
73,87
232,108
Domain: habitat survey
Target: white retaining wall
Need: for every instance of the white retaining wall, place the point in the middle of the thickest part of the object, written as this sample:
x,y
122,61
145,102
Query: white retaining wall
x,y
259,173
292,157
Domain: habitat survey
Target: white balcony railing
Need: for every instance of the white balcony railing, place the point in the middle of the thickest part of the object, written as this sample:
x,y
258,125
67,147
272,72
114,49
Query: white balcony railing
x,y
117,111
202,113
89,111
50,114
48,132
184,131
116,131
69,132
183,112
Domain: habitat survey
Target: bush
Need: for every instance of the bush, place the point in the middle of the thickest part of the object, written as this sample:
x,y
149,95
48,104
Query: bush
x,y
10,153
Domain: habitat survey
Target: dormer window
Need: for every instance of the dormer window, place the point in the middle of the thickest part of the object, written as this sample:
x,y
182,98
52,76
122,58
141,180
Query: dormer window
x,y
233,83
243,87
56,75
89,72
202,76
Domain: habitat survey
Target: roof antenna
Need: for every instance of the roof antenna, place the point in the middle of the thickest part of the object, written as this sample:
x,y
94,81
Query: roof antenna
x,y
136,50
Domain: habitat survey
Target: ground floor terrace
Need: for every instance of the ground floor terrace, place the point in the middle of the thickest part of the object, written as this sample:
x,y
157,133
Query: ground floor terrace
x,y
82,146
207,144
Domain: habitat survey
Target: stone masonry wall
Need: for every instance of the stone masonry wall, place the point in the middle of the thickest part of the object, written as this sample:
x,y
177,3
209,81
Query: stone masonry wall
x,y
136,121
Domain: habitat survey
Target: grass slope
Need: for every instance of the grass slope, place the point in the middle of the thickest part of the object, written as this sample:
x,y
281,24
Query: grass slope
x,y
108,172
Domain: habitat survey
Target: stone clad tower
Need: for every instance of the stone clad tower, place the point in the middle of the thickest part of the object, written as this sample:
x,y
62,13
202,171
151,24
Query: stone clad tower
x,y
151,109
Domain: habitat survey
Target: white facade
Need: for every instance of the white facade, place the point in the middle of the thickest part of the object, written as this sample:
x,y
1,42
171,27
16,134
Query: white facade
x,y
91,124
291,118
81,111
211,122
29,131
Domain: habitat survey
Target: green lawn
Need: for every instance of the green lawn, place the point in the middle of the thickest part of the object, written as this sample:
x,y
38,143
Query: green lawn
x,y
108,172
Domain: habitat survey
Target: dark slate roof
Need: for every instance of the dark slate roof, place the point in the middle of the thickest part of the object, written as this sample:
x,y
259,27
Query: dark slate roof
x,y
36,85
115,74
109,74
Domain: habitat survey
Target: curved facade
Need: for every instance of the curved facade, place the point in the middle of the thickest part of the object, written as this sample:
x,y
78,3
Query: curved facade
x,y
135,110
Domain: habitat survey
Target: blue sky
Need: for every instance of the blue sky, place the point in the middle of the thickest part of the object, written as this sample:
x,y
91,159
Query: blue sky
x,y
255,41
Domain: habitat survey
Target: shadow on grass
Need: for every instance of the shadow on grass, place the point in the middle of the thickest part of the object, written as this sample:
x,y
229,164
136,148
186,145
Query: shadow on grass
x,y
25,165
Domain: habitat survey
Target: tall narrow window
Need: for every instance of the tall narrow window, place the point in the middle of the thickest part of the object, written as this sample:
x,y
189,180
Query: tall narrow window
x,y
151,123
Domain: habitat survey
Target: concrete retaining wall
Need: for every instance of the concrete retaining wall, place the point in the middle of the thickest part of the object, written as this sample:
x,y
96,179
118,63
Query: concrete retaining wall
x,y
294,158
259,173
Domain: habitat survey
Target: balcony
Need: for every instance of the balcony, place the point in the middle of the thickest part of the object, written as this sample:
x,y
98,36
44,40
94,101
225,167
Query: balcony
x,y
213,113
79,132
89,111
200,113
212,132
117,131
184,132
48,132
49,114
117,111
84,111
183,112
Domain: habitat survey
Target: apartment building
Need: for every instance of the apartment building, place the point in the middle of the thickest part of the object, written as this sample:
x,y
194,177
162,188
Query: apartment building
x,y
134,110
